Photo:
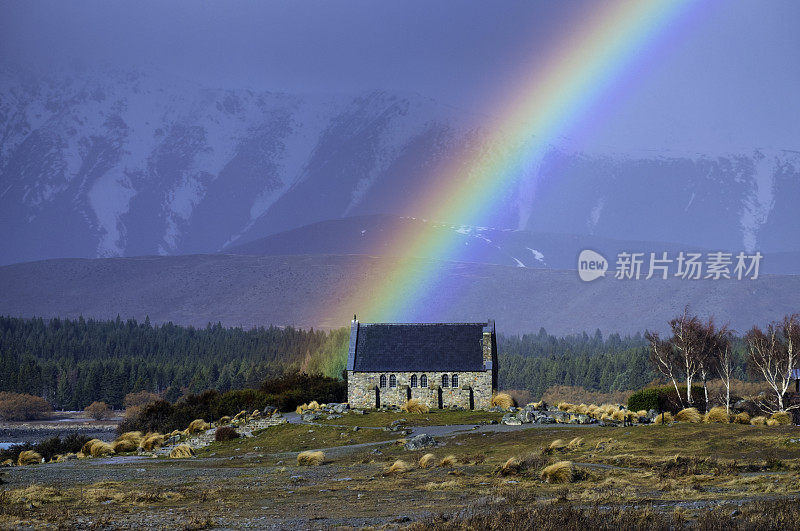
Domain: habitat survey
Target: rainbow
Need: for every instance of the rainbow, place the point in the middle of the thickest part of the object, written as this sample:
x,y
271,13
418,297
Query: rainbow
x,y
545,106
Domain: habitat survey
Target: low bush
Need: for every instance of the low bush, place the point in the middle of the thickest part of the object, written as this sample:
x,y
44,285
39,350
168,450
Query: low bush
x,y
309,458
773,422
99,411
557,445
125,445
18,406
226,433
662,398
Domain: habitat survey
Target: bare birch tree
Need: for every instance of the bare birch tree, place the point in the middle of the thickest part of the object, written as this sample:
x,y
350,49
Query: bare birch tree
x,y
774,354
688,340
724,364
662,355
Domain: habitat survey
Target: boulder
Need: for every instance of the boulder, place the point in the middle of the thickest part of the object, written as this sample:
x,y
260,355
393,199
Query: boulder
x,y
417,442
512,421
310,416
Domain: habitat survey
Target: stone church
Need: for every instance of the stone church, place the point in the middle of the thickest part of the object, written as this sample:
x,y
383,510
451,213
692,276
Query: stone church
x,y
440,364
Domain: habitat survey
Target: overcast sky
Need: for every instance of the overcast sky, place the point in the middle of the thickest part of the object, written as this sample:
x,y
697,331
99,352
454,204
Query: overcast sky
x,y
728,78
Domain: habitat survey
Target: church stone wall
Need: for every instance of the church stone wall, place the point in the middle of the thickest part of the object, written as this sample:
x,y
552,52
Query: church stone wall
x,y
474,389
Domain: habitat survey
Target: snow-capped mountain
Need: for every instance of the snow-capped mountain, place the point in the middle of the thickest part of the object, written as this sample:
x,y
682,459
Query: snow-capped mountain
x,y
102,164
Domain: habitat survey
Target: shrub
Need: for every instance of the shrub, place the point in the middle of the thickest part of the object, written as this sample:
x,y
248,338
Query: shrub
x,y
398,467
689,414
742,418
101,449
661,398
17,406
448,461
29,457
181,451
415,406
427,461
717,414
99,411
782,417
561,472
758,421
140,399
197,426
309,458
47,448
226,433
503,400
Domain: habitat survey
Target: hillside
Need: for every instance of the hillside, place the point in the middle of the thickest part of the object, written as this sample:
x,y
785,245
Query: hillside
x,y
305,290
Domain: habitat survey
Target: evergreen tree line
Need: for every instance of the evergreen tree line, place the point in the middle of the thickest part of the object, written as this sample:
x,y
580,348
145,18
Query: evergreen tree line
x,y
74,362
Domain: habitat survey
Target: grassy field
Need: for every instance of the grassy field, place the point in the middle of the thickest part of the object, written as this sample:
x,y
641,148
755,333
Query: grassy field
x,y
444,417
660,476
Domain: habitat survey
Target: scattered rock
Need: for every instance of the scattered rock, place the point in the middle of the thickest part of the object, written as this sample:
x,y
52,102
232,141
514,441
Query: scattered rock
x,y
417,442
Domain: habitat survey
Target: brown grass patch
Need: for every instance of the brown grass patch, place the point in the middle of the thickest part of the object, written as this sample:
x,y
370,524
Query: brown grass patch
x,y
398,467
427,461
29,457
415,406
561,472
124,445
181,451
503,400
773,422
102,449
758,421
664,418
782,417
557,446
309,458
689,414
86,449
717,414
448,461
198,426
152,441
742,418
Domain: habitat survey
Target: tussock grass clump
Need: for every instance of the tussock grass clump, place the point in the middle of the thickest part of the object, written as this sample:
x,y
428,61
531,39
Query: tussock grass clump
x,y
561,472
7,462
102,449
581,409
427,461
124,445
181,451
86,449
564,406
179,433
742,418
448,461
773,422
313,405
689,414
758,421
240,415
503,400
782,417
299,409
575,443
197,426
29,457
309,458
66,457
224,420
415,406
35,495
557,446
225,433
619,415
135,436
664,418
151,441
512,466
641,413
717,414
541,404
398,467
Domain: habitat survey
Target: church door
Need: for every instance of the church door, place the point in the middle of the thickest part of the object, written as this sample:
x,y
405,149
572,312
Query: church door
x,y
377,397
440,399
471,398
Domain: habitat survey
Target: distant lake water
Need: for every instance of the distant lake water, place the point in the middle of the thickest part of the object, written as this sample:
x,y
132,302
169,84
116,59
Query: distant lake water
x,y
3,445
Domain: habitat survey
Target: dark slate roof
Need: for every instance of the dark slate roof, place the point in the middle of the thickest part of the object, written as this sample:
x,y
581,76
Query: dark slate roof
x,y
382,347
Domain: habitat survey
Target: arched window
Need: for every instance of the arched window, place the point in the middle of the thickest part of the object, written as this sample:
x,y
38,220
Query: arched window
x,y
383,380
445,381
423,381
413,380
454,380
392,381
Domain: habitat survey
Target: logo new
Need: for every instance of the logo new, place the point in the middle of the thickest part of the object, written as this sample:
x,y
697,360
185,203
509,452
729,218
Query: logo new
x,y
591,265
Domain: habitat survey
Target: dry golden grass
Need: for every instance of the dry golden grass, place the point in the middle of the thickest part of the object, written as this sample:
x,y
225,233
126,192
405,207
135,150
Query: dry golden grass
x,y
689,414
575,443
299,410
511,466
124,445
313,405
444,485
86,449
782,417
176,432
742,418
503,400
224,420
539,405
561,472
664,418
151,441
398,467
557,445
255,414
773,422
619,415
240,415
65,457
309,458
35,495
717,414
758,421
135,436
427,461
641,413
181,451
415,406
198,426
564,406
29,457
102,449
7,462
448,461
